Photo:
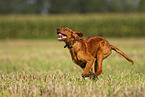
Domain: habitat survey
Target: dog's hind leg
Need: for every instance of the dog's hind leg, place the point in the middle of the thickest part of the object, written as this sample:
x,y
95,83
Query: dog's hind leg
x,y
102,53
98,65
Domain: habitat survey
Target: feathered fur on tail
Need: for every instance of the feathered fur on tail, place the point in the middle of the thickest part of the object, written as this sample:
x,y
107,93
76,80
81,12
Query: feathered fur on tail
x,y
121,53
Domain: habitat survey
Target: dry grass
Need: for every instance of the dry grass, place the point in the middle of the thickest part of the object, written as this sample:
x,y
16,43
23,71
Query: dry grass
x,y
44,68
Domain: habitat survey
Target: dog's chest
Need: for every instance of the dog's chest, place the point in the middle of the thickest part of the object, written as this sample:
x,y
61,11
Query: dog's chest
x,y
75,54
77,60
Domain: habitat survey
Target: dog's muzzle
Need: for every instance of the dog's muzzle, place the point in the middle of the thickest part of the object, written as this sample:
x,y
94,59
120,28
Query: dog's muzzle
x,y
61,36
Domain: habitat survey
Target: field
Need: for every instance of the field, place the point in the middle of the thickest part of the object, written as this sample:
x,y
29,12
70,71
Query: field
x,y
44,68
106,25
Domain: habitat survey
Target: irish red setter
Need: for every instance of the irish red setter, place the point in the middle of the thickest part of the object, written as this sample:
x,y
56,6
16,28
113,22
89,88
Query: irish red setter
x,y
88,52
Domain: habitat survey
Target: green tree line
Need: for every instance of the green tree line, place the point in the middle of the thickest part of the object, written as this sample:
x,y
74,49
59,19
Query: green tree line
x,y
70,6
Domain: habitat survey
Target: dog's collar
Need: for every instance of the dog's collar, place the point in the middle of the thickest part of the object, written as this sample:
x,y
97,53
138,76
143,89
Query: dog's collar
x,y
70,46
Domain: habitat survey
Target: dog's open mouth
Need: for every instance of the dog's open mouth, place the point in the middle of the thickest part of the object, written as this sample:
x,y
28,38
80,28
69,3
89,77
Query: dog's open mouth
x,y
61,36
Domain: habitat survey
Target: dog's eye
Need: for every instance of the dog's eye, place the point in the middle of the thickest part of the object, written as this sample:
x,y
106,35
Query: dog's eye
x,y
66,29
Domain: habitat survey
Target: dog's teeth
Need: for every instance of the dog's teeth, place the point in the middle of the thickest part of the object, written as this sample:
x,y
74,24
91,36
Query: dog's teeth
x,y
59,38
64,37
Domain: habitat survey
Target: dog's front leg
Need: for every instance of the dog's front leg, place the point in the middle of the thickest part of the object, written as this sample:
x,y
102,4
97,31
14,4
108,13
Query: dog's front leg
x,y
86,72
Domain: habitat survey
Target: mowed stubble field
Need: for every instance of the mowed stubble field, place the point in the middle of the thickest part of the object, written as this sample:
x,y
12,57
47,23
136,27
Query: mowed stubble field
x,y
44,68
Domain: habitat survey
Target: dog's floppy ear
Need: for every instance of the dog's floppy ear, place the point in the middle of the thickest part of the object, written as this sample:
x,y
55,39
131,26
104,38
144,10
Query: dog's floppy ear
x,y
78,33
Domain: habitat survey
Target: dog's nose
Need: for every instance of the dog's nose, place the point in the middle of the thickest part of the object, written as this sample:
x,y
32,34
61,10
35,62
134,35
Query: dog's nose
x,y
58,29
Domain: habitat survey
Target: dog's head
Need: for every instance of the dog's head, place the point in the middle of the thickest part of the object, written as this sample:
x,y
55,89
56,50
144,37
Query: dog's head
x,y
67,35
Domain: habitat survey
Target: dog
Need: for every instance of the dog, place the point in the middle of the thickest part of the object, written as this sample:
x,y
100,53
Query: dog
x,y
88,52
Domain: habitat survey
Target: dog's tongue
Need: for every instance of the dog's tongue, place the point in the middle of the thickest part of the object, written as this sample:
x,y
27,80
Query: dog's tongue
x,y
59,34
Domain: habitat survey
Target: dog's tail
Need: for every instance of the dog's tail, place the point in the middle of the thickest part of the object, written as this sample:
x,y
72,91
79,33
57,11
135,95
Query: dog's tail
x,y
121,53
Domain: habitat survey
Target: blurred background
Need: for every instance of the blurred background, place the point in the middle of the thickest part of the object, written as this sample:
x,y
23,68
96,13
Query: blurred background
x,y
40,18
70,6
